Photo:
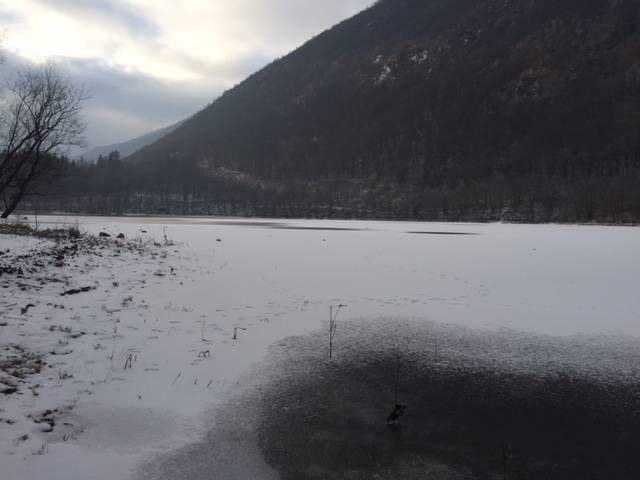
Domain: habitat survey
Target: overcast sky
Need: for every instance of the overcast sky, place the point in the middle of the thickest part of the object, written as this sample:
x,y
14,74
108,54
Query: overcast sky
x,y
150,63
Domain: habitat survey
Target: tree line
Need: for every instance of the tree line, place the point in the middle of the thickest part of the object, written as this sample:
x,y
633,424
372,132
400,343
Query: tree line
x,y
113,186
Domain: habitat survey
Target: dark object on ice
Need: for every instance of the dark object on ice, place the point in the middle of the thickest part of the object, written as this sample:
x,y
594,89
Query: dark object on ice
x,y
235,332
104,235
129,361
120,236
75,291
398,411
218,239
26,308
444,233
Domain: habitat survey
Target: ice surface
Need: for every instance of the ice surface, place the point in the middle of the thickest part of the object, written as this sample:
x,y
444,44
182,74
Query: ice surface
x,y
274,278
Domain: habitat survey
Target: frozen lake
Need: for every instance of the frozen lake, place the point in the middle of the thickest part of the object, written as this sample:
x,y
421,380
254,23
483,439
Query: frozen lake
x,y
543,298
550,279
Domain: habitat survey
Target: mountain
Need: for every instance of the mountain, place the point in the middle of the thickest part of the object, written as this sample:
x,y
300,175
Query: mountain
x,y
130,146
430,109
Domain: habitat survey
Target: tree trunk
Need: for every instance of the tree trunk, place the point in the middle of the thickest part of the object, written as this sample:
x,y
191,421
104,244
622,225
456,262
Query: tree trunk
x,y
22,189
11,206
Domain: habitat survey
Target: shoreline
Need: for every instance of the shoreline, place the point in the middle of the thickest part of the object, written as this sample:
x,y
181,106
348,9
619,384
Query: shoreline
x,y
19,217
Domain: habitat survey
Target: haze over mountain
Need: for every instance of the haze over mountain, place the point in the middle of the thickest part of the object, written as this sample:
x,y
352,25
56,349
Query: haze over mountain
x,y
130,146
454,109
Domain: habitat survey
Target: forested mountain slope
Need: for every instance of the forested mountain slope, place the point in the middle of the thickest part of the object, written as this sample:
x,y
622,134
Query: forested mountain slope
x,y
447,109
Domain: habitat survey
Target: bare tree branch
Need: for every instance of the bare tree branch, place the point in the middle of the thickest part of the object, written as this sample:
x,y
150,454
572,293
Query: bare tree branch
x,y
40,114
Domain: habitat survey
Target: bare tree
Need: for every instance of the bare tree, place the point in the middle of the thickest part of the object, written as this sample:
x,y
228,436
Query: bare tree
x,y
40,114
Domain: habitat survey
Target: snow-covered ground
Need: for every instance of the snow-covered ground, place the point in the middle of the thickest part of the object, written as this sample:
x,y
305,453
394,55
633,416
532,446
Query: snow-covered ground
x,y
167,312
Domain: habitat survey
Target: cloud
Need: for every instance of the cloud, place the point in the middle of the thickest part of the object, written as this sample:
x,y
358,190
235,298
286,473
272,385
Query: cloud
x,y
149,63
124,104
111,12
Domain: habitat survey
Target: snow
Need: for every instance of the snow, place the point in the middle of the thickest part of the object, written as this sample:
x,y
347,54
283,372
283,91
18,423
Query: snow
x,y
421,57
384,75
274,278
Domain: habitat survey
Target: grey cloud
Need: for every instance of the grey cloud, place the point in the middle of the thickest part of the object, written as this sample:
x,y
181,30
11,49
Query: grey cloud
x,y
288,23
115,12
8,18
124,105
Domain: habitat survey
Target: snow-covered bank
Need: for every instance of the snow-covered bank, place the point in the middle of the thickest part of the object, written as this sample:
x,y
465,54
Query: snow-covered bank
x,y
75,306
168,315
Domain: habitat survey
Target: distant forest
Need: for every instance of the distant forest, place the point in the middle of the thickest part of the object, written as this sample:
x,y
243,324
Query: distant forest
x,y
478,110
115,187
